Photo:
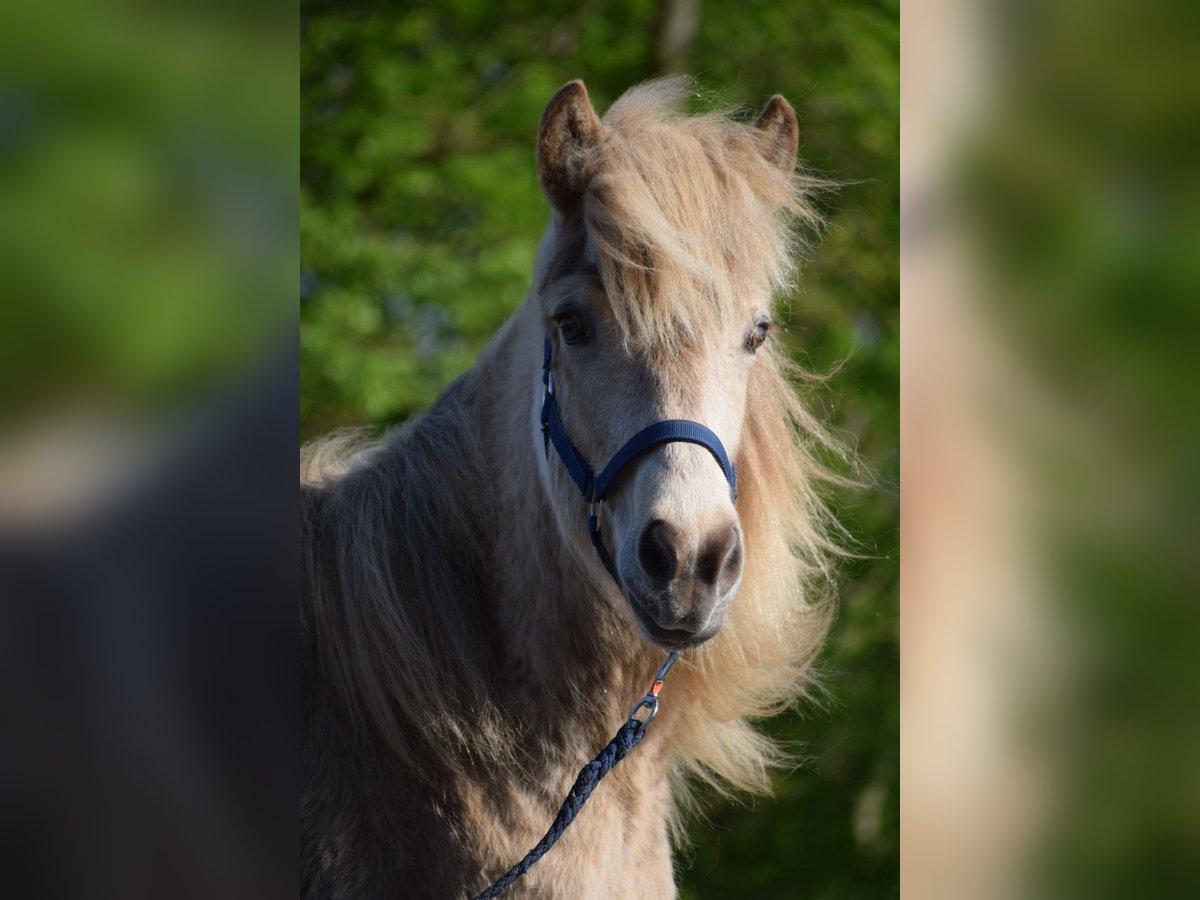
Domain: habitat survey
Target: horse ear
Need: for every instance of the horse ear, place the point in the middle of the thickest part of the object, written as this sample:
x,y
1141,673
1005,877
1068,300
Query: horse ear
x,y
569,127
780,132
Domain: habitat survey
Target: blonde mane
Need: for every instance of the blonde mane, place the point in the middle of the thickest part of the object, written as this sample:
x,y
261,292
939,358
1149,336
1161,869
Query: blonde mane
x,y
683,215
761,663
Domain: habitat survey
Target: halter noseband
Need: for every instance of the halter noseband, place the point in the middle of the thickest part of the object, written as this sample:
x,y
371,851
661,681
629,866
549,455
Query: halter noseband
x,y
595,487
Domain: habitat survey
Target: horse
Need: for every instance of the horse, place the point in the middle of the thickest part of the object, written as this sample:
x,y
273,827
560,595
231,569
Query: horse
x,y
465,650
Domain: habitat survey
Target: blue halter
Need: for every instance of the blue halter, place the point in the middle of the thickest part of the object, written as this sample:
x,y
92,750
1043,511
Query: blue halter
x,y
595,487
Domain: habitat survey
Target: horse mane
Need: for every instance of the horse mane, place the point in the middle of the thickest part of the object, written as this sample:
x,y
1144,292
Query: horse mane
x,y
761,661
683,215
394,564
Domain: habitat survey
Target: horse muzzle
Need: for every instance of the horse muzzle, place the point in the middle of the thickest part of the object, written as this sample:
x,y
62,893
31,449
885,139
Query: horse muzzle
x,y
680,596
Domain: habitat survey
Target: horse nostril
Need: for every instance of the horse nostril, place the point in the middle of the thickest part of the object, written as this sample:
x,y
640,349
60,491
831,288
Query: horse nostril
x,y
657,553
720,559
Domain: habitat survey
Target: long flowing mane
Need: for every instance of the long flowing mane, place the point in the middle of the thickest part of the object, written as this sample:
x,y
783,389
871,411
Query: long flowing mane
x,y
682,215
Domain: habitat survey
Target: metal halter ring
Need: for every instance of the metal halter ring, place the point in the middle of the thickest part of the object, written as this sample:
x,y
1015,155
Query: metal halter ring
x,y
651,703
595,508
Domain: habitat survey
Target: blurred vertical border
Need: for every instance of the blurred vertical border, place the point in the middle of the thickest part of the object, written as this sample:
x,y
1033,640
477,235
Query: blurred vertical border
x,y
1051,731
148,423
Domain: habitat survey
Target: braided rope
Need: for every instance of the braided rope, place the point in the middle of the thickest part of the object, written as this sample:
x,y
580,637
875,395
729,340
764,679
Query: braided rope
x,y
625,740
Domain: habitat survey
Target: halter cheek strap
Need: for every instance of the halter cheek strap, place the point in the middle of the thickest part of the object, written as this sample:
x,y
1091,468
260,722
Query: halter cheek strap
x,y
594,487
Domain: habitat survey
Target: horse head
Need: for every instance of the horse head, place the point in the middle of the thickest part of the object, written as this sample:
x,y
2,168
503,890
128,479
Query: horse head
x,y
655,293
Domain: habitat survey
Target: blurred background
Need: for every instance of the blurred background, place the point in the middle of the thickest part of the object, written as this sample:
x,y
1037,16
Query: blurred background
x,y
420,216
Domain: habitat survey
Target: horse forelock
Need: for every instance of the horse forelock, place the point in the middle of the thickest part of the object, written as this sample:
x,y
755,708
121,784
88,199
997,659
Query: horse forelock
x,y
687,221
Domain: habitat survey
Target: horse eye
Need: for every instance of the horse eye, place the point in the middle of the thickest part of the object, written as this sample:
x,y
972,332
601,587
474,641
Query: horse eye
x,y
570,328
758,335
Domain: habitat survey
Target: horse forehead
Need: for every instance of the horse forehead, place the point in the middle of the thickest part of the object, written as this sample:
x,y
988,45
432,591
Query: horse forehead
x,y
683,374
568,257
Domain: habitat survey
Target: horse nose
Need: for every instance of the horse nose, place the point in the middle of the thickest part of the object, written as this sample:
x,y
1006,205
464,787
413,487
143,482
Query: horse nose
x,y
658,553
719,563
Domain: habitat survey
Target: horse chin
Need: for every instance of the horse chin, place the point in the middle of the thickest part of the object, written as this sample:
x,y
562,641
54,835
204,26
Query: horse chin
x,y
674,639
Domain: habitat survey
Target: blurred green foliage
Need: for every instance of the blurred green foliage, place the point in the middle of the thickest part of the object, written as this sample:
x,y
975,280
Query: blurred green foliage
x,y
1082,200
147,161
420,216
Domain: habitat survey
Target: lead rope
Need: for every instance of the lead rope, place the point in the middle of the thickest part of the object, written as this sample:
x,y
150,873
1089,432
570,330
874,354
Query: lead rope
x,y
627,737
